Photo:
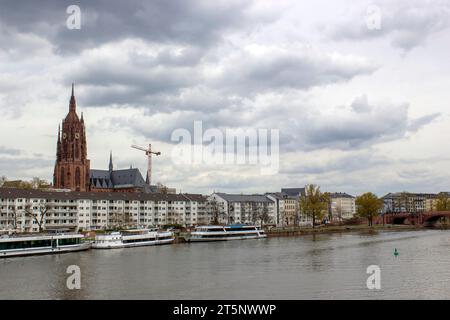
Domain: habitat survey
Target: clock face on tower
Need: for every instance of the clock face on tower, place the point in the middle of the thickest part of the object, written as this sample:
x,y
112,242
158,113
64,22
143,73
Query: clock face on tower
x,y
64,135
77,135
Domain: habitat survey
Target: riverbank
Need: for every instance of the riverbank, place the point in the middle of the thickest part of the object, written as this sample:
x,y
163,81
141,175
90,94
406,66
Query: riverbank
x,y
300,231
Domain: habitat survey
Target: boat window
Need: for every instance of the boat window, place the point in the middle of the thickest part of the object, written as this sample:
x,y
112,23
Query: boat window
x,y
25,244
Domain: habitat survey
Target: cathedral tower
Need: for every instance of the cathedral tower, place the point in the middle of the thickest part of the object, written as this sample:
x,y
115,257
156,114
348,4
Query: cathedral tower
x,y
72,168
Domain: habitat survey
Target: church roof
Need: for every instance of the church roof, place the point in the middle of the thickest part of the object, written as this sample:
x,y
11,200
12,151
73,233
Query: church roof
x,y
116,179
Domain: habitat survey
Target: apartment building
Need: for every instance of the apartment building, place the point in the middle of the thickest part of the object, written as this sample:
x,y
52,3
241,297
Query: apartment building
x,y
409,202
239,208
342,206
30,210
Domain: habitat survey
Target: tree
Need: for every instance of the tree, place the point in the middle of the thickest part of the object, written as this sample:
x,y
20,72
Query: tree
x,y
254,214
314,203
230,217
214,210
39,217
14,217
327,197
38,183
443,202
265,217
404,201
118,219
35,183
244,213
368,206
339,211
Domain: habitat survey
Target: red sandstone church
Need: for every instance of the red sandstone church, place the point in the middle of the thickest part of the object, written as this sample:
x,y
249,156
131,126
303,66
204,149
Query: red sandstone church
x,y
72,167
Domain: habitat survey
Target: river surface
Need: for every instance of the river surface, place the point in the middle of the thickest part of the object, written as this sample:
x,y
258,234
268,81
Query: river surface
x,y
325,266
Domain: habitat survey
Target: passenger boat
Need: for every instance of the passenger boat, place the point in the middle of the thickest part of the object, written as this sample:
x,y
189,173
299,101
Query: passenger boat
x,y
230,232
132,238
12,246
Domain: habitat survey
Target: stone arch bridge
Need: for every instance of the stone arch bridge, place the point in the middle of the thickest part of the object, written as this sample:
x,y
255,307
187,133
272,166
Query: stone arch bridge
x,y
422,218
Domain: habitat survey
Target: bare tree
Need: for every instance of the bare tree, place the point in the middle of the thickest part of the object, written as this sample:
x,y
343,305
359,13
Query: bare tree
x,y
14,214
214,211
230,215
243,213
339,211
254,214
39,217
265,217
117,219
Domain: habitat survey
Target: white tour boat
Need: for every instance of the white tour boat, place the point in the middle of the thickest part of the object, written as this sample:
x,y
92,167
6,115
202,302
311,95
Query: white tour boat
x,y
12,246
132,238
230,232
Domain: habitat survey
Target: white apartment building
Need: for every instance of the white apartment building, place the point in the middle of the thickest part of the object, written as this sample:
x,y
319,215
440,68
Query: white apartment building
x,y
239,208
24,210
342,206
280,202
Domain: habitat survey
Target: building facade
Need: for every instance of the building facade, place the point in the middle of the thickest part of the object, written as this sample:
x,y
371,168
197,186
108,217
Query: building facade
x,y
239,208
24,210
342,206
400,202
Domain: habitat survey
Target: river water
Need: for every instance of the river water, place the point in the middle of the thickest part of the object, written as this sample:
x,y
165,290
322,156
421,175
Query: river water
x,y
325,266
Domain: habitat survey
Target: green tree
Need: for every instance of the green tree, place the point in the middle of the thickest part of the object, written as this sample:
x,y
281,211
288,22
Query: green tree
x,y
35,183
314,203
368,206
38,183
443,202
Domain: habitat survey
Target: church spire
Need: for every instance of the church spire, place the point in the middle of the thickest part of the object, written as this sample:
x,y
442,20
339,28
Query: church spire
x,y
110,162
73,103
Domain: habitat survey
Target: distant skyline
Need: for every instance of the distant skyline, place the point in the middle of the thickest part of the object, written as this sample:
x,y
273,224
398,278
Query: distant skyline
x,y
358,108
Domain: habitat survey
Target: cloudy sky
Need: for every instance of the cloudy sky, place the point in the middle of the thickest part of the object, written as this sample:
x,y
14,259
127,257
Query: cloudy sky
x,y
358,90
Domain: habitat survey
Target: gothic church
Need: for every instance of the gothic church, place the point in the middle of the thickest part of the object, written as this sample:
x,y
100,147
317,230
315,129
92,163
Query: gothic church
x,y
72,167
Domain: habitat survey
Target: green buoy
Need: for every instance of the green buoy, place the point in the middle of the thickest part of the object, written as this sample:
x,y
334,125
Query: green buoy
x,y
396,252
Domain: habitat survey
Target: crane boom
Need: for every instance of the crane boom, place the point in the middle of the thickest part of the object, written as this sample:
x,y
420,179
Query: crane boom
x,y
139,148
148,153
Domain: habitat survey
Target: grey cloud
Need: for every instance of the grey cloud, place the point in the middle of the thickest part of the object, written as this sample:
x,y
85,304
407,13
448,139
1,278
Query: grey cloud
x,y
21,164
350,162
416,124
9,151
161,78
357,126
362,125
270,68
406,24
200,22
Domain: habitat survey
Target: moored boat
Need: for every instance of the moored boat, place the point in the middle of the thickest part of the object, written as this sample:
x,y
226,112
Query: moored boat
x,y
132,238
223,233
25,245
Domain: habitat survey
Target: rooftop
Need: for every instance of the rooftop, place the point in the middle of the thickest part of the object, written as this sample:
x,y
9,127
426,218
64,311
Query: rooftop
x,y
244,197
13,193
